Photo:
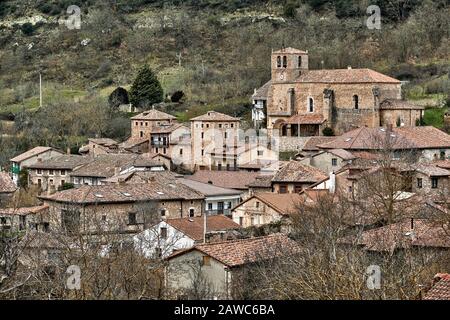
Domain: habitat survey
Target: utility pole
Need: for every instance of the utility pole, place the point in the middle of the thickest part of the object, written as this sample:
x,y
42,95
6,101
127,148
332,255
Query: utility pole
x,y
40,90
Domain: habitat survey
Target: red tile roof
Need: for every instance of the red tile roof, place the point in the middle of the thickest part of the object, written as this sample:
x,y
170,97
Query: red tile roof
x,y
306,119
6,183
440,289
345,76
153,114
116,193
399,138
31,153
311,144
225,179
193,227
240,252
295,171
214,116
289,50
24,210
261,93
283,203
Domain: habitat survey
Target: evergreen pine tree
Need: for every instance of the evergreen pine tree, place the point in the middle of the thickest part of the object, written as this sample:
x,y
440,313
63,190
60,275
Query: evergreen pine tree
x,y
146,89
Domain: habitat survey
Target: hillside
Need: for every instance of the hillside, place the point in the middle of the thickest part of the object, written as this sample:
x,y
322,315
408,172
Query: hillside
x,y
216,52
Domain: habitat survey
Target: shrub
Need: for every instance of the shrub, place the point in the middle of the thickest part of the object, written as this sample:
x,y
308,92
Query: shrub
x,y
146,89
328,132
27,29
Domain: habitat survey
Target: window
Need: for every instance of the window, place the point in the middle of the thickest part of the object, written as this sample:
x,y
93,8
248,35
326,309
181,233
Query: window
x,y
63,172
283,189
241,221
278,62
142,123
181,151
163,212
210,206
225,135
104,217
164,150
203,152
141,134
299,61
163,233
284,62
203,135
63,182
334,162
39,182
207,125
158,252
252,219
51,182
219,167
434,182
350,189
191,212
232,125
260,152
355,101
229,205
257,204
132,218
136,123
51,172
310,105
419,183
39,171
442,155
297,189
220,125
206,261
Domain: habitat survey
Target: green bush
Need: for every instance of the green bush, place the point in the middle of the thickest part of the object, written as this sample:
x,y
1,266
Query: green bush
x,y
146,89
27,29
328,132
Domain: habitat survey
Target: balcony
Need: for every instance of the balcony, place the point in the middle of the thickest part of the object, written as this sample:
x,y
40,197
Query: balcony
x,y
160,144
226,212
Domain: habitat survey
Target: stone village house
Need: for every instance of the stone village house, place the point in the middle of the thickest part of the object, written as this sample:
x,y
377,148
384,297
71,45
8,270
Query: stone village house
x,y
121,208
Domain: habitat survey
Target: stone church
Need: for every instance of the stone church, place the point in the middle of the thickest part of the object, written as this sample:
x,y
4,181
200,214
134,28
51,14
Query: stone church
x,y
301,102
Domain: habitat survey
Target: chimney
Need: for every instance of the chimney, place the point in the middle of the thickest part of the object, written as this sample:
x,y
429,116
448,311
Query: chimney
x,y
332,187
116,171
121,181
349,67
68,150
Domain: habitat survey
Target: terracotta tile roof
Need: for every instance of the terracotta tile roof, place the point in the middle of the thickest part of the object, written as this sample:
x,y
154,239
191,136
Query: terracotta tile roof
x,y
104,141
261,93
400,235
345,76
295,171
193,227
209,190
343,154
289,50
225,179
445,164
400,138
431,170
167,128
143,177
366,155
31,153
262,181
214,116
6,183
398,104
306,119
283,203
24,210
311,144
104,165
240,252
440,289
120,193
153,114
132,142
67,161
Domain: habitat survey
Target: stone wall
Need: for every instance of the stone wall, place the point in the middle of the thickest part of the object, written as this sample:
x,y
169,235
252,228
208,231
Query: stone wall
x,y
291,143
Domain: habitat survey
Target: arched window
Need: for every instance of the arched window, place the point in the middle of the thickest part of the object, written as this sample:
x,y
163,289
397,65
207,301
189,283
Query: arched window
x,y
278,62
356,101
284,62
310,104
299,61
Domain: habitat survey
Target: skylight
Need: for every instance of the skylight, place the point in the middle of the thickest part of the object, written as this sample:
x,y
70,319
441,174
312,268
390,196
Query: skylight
x,y
98,195
159,192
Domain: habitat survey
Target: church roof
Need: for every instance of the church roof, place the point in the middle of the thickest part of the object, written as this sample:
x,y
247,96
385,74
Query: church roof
x,y
306,119
345,76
